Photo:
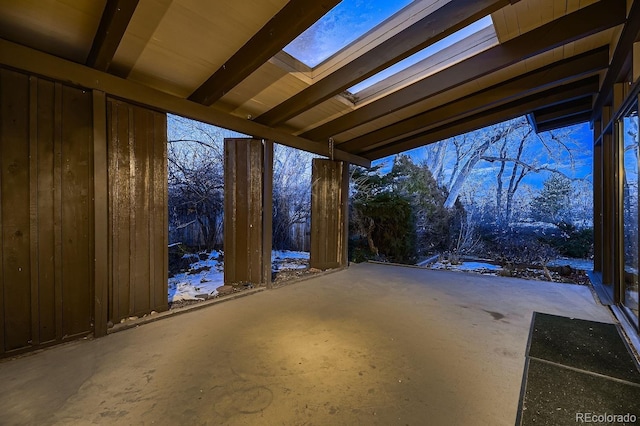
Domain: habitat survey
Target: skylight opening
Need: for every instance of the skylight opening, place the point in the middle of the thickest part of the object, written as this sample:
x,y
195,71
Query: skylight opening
x,y
344,24
425,53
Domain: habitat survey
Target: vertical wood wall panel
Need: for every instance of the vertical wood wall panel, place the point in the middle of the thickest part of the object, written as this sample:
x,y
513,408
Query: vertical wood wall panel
x,y
328,210
100,214
597,208
267,207
159,230
244,215
57,209
141,216
138,229
3,100
45,203
46,236
14,152
77,212
255,211
118,138
33,210
608,230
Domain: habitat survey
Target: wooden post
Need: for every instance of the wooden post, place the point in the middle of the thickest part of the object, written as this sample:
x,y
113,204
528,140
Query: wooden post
x,y
137,199
635,54
618,213
267,212
100,220
329,204
597,199
247,218
607,210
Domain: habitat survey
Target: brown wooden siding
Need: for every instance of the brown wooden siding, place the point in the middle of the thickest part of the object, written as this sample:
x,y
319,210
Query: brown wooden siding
x,y
46,225
243,212
328,214
608,229
138,231
597,205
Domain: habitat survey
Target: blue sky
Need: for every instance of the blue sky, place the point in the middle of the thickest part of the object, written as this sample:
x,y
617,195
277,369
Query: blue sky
x,y
346,22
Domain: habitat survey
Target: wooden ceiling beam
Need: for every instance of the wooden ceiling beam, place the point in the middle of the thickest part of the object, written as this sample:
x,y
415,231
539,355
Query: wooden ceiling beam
x,y
622,51
568,109
294,18
113,24
442,22
33,61
552,75
512,110
581,23
564,122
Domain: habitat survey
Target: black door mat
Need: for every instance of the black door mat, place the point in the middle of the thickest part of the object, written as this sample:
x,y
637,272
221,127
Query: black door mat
x,y
586,345
578,372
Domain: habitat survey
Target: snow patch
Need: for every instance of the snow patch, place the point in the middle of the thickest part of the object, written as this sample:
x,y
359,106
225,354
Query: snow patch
x,y
580,264
287,254
206,276
481,267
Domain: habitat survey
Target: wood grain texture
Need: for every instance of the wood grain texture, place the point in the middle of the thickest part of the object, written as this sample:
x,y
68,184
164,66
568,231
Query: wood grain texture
x,y
46,212
100,216
582,23
243,214
137,210
328,209
14,137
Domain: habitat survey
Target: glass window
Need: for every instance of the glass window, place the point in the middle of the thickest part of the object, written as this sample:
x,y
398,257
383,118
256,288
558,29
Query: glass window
x,y
429,51
346,22
630,206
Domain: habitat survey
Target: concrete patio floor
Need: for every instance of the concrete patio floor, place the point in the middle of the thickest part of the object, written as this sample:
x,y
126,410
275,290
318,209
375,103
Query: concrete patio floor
x,y
373,344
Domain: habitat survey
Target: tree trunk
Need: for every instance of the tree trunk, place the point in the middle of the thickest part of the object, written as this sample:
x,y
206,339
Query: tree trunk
x,y
465,171
372,246
499,215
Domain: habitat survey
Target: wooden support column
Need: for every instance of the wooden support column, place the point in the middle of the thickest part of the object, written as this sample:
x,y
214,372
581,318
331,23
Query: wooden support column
x,y
607,210
607,201
618,205
101,219
597,199
635,55
620,91
267,208
46,212
247,217
137,200
617,226
329,214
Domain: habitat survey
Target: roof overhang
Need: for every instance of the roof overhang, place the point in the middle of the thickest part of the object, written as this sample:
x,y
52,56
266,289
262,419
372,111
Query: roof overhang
x,y
223,64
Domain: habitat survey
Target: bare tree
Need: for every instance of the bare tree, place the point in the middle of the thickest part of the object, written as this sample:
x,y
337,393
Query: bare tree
x,y
522,153
512,146
470,158
291,195
196,186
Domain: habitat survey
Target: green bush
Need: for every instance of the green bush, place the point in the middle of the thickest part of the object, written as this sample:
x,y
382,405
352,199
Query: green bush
x,y
571,241
394,226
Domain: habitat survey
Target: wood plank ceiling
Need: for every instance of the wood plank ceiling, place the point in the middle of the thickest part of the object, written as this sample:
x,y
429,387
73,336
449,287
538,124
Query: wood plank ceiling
x,y
547,58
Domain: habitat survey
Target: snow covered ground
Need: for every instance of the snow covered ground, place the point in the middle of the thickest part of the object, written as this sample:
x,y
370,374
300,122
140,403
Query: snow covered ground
x,y
481,267
488,268
288,260
206,276
580,264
